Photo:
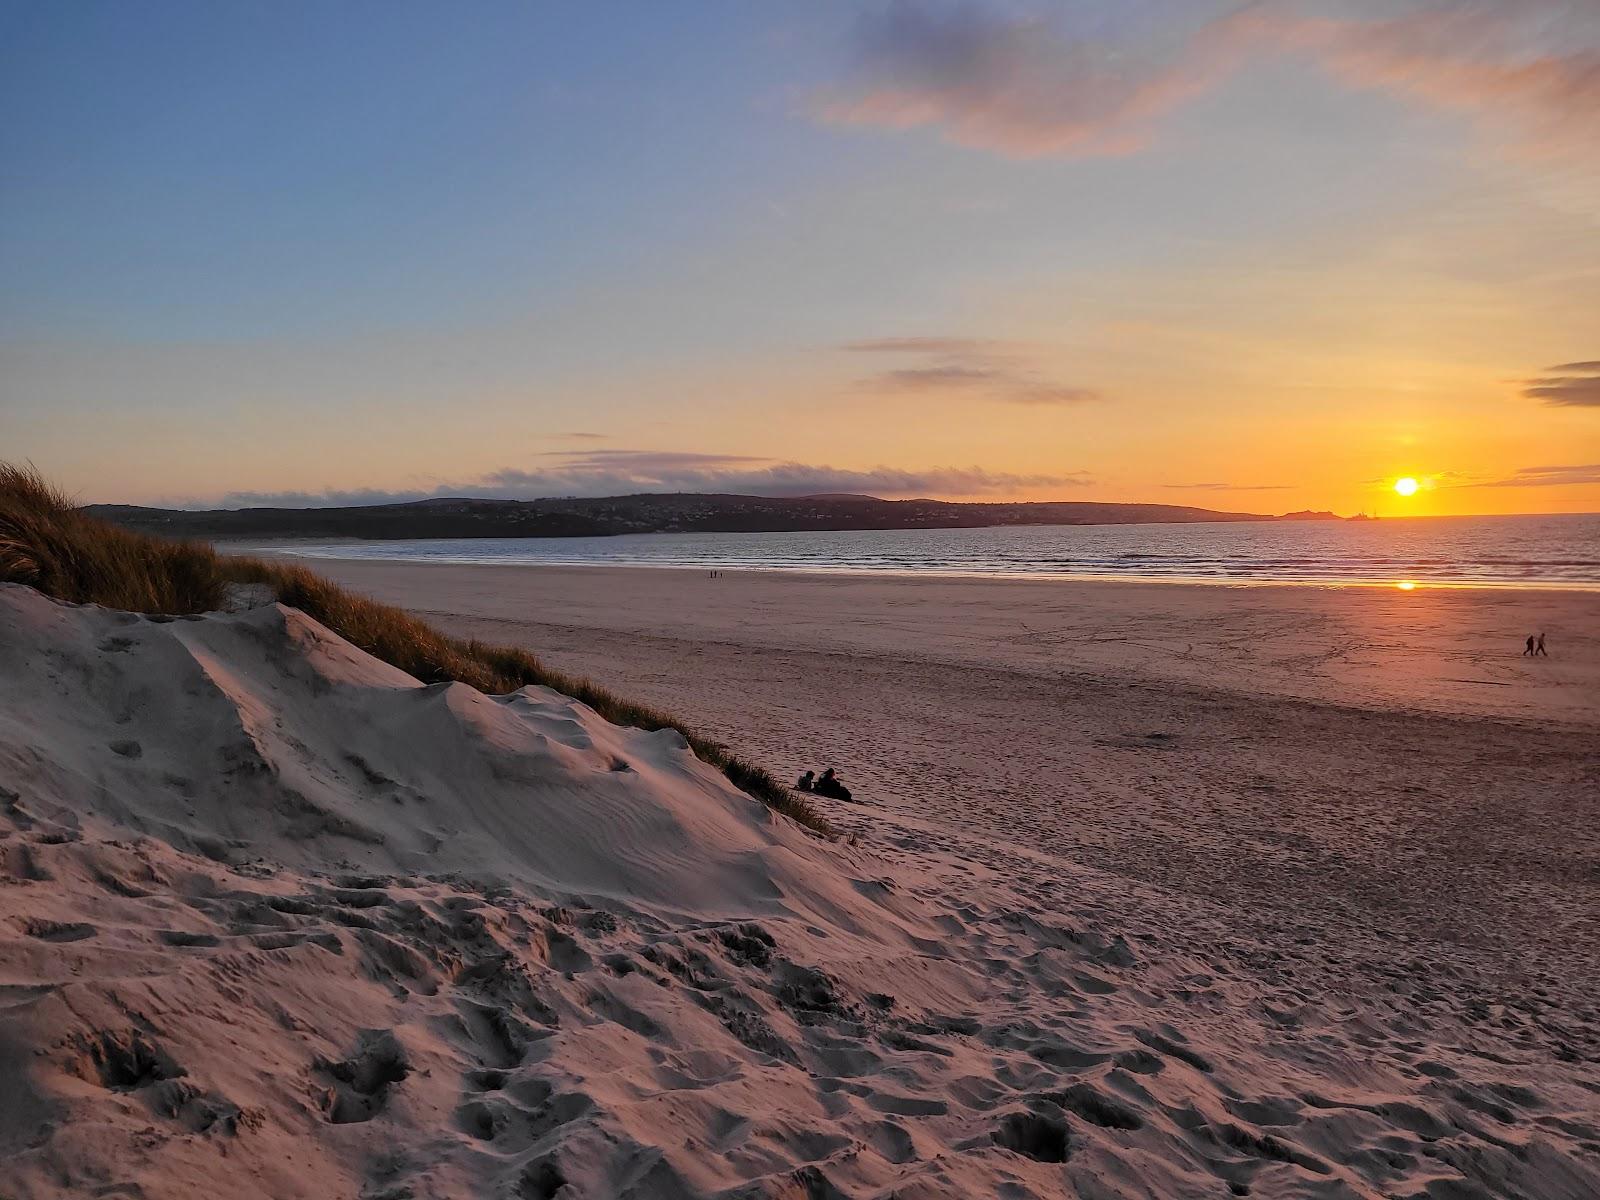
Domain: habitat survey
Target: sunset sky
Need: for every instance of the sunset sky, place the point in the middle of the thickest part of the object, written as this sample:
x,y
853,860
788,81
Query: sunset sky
x,y
1262,256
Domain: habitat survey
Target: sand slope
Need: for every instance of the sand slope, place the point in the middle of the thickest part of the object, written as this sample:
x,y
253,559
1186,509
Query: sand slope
x,y
277,920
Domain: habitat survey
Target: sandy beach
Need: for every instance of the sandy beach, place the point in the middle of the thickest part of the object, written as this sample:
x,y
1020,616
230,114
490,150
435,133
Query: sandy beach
x,y
1153,892
1307,758
1455,651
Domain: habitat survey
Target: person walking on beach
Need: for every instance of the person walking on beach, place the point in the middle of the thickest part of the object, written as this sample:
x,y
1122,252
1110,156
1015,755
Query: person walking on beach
x,y
1528,653
1540,648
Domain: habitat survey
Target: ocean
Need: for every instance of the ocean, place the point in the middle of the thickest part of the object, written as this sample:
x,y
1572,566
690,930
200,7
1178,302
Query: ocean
x,y
1547,551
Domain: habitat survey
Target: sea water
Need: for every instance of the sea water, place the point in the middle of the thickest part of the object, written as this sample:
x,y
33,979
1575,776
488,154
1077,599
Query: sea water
x,y
1560,551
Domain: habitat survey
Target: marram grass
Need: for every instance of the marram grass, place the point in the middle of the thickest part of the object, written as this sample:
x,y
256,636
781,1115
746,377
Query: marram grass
x,y
47,543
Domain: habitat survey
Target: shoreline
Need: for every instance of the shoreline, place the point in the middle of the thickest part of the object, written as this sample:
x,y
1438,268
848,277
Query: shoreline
x,y
1448,651
282,549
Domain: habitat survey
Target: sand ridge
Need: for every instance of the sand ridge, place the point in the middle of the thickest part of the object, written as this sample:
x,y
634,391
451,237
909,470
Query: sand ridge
x,y
281,921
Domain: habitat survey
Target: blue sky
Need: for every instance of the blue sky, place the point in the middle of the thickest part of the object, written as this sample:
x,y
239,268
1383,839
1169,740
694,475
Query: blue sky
x,y
1100,251
244,170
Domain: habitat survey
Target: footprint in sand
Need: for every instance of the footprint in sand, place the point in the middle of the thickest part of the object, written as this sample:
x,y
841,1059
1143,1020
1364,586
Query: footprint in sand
x,y
1039,1136
60,931
360,1085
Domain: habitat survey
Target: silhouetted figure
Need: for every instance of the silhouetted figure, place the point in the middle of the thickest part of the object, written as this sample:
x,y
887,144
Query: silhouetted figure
x,y
803,784
830,786
1528,653
1540,648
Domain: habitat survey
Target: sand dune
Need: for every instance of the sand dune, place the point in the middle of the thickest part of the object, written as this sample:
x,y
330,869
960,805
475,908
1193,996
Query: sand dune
x,y
279,920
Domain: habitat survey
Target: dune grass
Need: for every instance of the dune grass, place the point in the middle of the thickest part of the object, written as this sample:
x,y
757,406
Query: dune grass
x,y
47,543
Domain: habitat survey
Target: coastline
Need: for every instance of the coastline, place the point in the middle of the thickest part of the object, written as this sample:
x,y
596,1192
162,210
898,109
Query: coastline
x,y
936,573
1108,890
1295,762
1526,553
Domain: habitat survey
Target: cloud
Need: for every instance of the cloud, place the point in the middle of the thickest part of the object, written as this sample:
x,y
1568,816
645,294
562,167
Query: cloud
x,y
927,345
630,472
330,498
1567,385
1530,67
1023,392
614,472
934,379
643,463
995,370
1546,477
1230,487
1012,84
1027,86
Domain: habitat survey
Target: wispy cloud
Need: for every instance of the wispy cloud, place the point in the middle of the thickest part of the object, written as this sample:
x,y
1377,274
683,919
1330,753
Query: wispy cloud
x,y
927,345
1567,385
629,472
646,463
1546,477
1017,84
1530,68
994,370
1028,85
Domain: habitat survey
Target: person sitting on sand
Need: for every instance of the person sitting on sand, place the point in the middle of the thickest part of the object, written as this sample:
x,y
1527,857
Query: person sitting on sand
x,y
1540,648
803,784
829,785
1528,653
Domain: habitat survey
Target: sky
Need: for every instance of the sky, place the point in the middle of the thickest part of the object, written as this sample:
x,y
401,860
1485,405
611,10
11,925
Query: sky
x,y
1259,256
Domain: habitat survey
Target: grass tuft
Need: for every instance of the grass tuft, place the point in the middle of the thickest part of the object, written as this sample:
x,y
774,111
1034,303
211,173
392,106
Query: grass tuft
x,y
47,543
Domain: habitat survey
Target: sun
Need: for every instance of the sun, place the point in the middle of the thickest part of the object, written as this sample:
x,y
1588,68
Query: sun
x,y
1406,486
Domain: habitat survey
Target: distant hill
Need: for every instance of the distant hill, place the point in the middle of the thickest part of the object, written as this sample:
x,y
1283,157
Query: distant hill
x,y
678,512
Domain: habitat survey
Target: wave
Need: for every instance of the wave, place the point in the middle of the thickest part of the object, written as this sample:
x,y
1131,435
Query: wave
x,y
1556,551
